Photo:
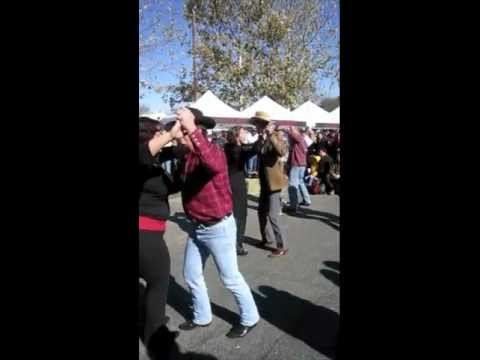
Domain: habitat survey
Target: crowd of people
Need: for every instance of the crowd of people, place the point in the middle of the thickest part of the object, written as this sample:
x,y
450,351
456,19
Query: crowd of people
x,y
210,173
320,143
322,160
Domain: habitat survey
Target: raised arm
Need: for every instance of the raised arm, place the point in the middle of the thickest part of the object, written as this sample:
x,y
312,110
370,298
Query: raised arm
x,y
278,144
295,135
211,156
159,140
148,151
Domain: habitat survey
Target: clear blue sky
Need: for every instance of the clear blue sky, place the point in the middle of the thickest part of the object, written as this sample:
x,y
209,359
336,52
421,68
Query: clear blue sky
x,y
154,100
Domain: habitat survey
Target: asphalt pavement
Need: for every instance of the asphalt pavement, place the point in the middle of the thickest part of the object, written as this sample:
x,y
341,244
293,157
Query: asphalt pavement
x,y
297,295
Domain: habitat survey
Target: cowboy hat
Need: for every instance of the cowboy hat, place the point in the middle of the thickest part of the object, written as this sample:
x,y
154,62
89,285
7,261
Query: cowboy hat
x,y
260,116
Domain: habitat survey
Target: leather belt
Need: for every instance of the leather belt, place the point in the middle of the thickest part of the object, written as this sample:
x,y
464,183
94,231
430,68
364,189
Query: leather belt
x,y
209,223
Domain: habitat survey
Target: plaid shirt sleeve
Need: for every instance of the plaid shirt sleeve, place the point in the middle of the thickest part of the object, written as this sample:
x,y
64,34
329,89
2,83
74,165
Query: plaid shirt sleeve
x,y
210,154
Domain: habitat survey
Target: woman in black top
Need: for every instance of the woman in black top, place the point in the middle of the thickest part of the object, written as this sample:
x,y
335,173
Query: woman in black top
x,y
154,188
237,154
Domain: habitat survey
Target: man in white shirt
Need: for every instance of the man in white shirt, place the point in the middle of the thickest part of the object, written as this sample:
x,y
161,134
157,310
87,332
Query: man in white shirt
x,y
251,138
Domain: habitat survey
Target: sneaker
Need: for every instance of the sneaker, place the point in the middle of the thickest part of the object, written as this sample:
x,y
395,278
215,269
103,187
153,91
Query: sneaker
x,y
303,203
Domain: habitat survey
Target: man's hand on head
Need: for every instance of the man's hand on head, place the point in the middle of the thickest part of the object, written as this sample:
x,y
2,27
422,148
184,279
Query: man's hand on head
x,y
187,120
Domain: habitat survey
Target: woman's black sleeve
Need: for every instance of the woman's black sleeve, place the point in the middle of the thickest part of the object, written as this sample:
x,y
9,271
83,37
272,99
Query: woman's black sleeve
x,y
250,150
171,153
145,157
166,154
232,154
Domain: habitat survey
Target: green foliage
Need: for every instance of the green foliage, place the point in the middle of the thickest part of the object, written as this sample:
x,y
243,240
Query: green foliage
x,y
160,37
250,48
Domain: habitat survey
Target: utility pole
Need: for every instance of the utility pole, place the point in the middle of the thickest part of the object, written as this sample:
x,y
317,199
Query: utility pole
x,y
240,66
194,67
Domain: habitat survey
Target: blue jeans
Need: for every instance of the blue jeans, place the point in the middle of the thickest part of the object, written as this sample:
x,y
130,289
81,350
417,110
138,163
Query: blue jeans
x,y
297,191
167,166
218,240
252,164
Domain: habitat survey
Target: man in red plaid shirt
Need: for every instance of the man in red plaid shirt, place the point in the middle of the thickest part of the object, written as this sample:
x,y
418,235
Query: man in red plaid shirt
x,y
207,201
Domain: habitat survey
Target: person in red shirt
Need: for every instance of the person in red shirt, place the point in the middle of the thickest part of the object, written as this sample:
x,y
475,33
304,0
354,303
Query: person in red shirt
x,y
297,190
207,201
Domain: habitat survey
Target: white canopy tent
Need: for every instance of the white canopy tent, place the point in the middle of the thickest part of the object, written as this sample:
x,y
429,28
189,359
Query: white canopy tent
x,y
275,110
333,117
154,115
310,113
212,106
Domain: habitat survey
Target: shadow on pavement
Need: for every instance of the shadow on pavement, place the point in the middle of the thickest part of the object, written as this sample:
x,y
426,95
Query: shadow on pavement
x,y
327,218
169,350
332,275
315,325
192,356
180,300
257,243
335,265
177,355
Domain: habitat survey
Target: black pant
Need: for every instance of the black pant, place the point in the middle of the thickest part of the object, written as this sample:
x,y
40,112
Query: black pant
x,y
239,192
155,270
241,222
240,215
327,180
336,185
